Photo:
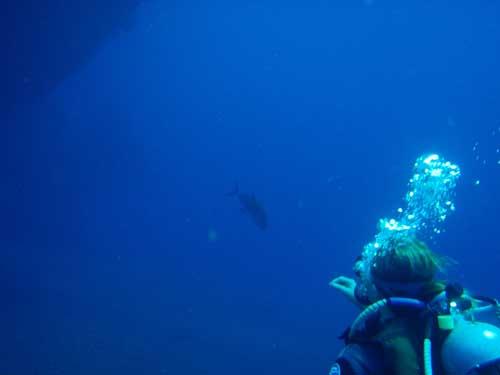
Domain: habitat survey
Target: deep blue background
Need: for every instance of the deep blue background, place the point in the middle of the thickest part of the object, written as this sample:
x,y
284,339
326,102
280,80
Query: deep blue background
x,y
114,182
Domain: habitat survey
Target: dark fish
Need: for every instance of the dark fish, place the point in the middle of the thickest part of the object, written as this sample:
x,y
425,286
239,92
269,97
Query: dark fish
x,y
251,207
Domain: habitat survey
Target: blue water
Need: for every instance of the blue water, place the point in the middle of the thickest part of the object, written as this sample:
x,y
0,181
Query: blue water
x,y
121,252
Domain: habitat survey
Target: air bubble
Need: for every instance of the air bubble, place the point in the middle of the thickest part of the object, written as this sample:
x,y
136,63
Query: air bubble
x,y
429,202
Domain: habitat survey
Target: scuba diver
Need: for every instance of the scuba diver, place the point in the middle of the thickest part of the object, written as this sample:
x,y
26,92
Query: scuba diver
x,y
412,323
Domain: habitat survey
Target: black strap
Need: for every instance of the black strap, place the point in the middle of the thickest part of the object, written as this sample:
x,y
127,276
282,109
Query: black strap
x,y
361,359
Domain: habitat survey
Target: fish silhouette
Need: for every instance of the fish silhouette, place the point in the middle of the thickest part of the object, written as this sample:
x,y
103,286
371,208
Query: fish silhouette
x,y
251,207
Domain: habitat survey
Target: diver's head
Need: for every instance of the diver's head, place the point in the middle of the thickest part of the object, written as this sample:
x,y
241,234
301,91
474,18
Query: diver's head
x,y
405,267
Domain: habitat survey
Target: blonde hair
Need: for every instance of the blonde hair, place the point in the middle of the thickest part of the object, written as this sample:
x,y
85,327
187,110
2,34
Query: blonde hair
x,y
407,261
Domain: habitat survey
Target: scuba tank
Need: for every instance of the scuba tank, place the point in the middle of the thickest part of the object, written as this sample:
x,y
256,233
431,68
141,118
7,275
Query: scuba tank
x,y
471,344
